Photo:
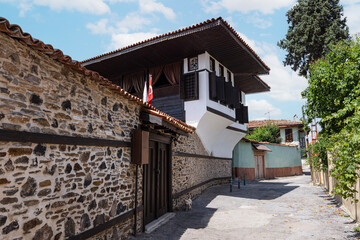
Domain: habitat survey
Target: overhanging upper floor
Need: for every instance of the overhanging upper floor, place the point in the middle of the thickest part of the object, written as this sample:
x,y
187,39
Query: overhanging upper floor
x,y
213,36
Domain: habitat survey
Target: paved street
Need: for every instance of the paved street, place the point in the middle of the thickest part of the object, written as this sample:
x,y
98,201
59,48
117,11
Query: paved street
x,y
284,208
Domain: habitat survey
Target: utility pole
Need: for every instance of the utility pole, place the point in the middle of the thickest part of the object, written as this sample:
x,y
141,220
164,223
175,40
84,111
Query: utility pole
x,y
314,138
307,148
267,113
314,133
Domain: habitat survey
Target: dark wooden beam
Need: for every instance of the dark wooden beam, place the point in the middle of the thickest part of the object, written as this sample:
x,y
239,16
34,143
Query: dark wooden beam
x,y
160,138
95,230
158,121
220,113
176,195
23,136
183,154
236,129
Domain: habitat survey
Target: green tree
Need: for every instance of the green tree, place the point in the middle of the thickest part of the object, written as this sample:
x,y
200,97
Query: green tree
x,y
314,25
333,86
269,133
333,95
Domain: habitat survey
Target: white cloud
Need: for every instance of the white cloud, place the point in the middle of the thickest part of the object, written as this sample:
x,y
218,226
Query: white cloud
x,y
132,21
101,27
117,1
351,12
259,22
152,6
259,109
286,85
88,6
121,31
96,7
125,39
245,6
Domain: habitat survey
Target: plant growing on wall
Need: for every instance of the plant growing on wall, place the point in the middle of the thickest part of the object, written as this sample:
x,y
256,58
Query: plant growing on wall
x,y
333,95
269,133
318,154
313,26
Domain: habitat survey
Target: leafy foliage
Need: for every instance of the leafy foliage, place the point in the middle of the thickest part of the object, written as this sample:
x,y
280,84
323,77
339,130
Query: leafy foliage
x,y
334,96
269,133
318,154
314,26
333,86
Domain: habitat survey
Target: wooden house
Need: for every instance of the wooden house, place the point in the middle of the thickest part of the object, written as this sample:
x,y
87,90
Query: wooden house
x,y
201,75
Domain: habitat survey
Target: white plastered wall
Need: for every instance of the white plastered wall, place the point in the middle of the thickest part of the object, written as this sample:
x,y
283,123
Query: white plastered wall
x,y
212,128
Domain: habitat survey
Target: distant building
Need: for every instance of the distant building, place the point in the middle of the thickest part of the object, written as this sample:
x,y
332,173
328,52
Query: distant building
x,y
291,132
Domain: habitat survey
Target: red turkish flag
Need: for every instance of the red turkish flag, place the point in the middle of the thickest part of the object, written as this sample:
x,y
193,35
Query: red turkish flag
x,y
150,94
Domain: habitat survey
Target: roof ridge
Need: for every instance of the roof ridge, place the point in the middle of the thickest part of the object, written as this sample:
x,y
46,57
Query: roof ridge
x,y
15,31
212,20
153,38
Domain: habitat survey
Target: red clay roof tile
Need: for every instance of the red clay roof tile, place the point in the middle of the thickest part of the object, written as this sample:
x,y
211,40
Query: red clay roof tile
x,y
280,123
16,32
181,30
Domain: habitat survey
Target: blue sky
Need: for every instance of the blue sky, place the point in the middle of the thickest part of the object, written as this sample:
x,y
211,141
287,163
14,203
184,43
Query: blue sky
x,y
86,28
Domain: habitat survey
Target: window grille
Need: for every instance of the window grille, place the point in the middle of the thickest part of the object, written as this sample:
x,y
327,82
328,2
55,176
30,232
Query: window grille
x,y
191,86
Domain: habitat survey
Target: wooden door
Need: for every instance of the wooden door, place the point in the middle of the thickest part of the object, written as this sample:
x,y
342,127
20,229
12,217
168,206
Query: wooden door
x,y
259,166
149,183
156,182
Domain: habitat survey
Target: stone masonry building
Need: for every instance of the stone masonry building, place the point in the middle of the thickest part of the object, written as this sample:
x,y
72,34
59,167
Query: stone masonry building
x,y
67,150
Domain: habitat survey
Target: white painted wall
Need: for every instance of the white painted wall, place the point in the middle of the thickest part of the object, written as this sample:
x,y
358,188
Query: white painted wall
x,y
295,132
210,127
225,143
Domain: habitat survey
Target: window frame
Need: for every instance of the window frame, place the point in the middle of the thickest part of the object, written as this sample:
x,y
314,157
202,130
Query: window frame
x,y
289,136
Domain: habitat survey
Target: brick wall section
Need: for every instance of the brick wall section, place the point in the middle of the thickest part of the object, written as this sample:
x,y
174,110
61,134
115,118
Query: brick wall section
x,y
190,171
50,191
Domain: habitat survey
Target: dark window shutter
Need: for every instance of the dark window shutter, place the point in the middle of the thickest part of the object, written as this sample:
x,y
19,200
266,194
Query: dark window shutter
x,y
246,114
220,89
182,86
236,97
239,114
212,86
228,94
191,86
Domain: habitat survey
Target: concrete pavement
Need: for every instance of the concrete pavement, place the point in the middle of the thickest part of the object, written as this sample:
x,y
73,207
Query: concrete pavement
x,y
283,208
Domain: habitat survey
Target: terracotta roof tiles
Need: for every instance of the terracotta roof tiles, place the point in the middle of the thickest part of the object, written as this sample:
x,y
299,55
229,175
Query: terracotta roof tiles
x,y
256,142
182,30
280,123
16,32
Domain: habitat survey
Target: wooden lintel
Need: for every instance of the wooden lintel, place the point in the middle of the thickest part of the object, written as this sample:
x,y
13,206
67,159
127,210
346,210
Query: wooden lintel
x,y
158,122
116,220
23,136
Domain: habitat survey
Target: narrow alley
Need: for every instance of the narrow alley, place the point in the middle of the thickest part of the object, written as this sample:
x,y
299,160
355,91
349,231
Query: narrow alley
x,y
283,208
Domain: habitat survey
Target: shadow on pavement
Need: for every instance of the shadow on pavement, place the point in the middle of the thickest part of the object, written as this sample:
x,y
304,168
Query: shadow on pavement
x,y
199,216
262,190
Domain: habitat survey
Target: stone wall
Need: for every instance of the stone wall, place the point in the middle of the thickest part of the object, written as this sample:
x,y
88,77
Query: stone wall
x,y
53,191
190,171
